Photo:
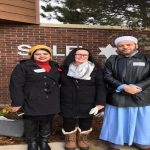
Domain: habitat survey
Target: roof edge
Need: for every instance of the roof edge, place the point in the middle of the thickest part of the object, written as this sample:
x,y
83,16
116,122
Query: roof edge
x,y
87,26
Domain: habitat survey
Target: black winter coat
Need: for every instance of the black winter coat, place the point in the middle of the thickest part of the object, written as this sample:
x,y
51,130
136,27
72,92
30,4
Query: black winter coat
x,y
79,96
37,93
124,70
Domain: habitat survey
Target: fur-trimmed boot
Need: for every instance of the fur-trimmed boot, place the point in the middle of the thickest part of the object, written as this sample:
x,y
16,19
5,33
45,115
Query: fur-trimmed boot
x,y
82,139
70,139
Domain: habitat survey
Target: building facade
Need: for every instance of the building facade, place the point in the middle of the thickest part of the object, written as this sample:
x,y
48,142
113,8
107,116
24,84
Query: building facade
x,y
23,11
16,39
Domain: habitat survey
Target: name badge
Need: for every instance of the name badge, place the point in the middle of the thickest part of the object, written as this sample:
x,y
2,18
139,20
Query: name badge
x,y
138,63
39,70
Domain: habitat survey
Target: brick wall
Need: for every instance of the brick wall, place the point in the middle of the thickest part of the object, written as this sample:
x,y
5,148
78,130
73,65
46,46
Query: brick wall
x,y
12,35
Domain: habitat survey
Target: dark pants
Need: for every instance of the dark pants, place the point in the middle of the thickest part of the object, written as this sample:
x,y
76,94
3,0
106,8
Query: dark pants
x,y
69,124
37,129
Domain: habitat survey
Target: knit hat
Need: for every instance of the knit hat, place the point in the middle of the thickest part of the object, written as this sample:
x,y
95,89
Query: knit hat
x,y
37,47
125,38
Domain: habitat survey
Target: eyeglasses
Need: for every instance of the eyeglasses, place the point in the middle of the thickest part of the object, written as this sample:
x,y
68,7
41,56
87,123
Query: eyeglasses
x,y
82,55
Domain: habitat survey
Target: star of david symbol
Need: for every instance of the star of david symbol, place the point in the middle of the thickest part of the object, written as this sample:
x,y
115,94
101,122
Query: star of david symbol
x,y
108,51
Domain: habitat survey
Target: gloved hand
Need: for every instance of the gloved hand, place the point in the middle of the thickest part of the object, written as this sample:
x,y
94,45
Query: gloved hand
x,y
94,111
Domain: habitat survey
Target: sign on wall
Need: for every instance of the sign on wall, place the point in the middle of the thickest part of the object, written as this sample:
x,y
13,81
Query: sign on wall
x,y
106,51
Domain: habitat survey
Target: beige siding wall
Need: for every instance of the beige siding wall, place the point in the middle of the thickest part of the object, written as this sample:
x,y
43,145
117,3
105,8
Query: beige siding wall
x,y
20,10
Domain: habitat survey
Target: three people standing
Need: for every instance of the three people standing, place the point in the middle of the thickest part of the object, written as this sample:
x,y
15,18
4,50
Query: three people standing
x,y
34,86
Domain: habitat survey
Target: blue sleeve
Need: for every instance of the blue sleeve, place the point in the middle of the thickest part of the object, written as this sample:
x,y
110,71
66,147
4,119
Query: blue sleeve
x,y
120,88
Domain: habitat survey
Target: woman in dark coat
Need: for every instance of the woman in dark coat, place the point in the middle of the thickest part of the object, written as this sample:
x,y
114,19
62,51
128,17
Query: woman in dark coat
x,y
34,88
82,88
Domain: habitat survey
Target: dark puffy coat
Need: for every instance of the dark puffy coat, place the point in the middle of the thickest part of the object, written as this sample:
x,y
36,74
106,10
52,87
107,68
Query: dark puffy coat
x,y
37,93
128,70
79,96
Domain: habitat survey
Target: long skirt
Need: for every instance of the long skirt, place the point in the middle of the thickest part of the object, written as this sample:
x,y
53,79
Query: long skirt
x,y
126,125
